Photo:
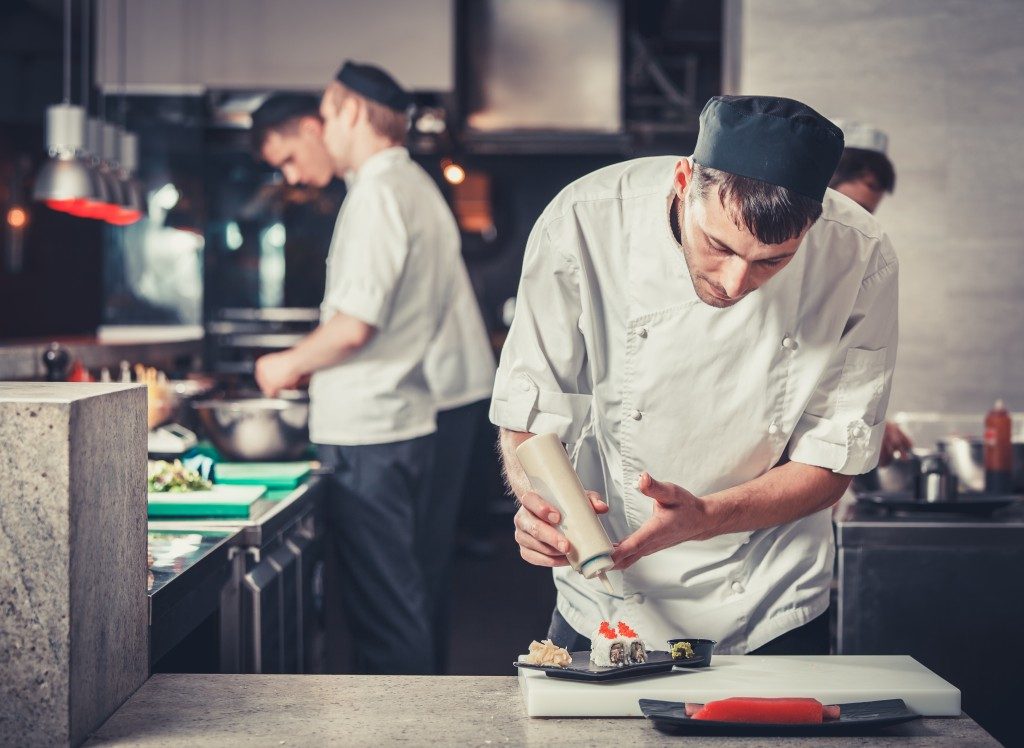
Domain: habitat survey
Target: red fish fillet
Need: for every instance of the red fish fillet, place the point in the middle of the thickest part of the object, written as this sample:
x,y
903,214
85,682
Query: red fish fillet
x,y
784,711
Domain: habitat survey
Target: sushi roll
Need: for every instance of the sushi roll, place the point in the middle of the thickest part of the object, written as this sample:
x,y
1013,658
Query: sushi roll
x,y
616,646
637,651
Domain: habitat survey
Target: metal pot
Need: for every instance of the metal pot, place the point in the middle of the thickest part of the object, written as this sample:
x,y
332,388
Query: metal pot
x,y
182,393
258,429
966,456
902,475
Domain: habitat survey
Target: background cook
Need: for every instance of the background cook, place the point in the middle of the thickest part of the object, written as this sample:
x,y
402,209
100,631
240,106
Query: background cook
x,y
287,134
391,275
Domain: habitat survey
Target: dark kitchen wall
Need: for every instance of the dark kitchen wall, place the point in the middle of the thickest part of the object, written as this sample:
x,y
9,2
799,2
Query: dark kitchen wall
x,y
522,186
58,287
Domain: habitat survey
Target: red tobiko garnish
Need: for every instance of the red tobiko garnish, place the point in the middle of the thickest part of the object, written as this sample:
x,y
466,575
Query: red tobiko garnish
x,y
626,631
606,630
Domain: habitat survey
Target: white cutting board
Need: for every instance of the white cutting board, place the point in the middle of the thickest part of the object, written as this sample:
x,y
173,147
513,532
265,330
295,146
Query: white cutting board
x,y
836,679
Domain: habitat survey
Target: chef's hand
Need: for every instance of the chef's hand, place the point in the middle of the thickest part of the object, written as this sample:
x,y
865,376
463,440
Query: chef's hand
x,y
275,372
540,542
895,443
678,516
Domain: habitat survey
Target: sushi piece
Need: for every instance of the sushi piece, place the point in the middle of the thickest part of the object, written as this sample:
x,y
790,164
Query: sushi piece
x,y
548,653
788,711
616,646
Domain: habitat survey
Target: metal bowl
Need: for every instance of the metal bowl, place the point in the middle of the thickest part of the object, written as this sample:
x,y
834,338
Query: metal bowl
x,y
257,429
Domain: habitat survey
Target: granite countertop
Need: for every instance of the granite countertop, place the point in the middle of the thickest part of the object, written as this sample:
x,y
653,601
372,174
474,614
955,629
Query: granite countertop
x,y
351,710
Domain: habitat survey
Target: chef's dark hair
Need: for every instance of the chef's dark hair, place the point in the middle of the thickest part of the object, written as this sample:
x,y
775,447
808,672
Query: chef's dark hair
x,y
281,112
771,213
857,163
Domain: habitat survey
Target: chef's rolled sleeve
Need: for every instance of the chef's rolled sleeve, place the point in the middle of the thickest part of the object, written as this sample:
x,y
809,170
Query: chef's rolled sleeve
x,y
371,253
541,384
842,426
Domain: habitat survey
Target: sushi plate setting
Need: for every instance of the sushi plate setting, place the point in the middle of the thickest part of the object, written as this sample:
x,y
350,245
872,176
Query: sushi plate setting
x,y
583,669
683,691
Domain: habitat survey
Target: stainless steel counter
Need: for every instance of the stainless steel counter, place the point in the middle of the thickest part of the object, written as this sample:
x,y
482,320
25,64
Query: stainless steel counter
x,y
256,574
859,525
352,710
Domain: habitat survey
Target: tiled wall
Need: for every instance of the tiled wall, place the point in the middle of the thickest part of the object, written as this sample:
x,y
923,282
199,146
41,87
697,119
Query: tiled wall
x,y
945,79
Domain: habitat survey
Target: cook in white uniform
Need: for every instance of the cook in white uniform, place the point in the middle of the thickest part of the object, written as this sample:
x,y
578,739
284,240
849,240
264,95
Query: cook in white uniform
x,y
713,338
287,133
392,273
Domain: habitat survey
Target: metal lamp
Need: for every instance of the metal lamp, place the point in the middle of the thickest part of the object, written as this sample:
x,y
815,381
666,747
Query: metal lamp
x,y
131,191
64,176
100,201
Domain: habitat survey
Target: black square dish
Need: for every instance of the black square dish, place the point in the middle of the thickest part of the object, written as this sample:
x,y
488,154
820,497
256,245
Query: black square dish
x,y
582,669
863,717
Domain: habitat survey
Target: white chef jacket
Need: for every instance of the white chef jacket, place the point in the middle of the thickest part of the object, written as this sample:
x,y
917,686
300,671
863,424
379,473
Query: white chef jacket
x,y
460,361
392,264
612,350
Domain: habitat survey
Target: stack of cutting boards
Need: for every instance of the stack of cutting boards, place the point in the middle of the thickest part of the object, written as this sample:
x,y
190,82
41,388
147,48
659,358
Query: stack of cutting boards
x,y
238,486
837,679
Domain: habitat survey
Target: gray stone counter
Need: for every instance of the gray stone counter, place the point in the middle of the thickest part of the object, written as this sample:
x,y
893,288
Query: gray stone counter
x,y
350,710
73,627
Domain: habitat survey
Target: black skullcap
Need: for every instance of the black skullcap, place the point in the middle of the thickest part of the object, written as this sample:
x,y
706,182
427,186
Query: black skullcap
x,y
775,140
278,110
375,84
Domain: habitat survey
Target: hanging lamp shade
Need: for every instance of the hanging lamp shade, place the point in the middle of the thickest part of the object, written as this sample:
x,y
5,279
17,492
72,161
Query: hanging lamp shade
x,y
102,203
65,177
131,191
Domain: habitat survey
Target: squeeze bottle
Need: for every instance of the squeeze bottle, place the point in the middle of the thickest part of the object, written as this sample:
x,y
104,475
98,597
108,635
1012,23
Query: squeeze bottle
x,y
998,450
552,476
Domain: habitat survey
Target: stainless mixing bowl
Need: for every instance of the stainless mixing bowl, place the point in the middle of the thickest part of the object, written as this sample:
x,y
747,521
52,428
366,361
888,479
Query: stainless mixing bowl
x,y
257,429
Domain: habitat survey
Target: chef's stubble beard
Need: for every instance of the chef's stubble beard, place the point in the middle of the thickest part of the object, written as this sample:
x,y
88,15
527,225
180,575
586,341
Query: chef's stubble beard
x,y
699,281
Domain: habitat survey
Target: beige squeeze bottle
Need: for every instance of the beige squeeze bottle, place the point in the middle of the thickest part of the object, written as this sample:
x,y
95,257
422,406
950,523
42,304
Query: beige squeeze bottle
x,y
552,476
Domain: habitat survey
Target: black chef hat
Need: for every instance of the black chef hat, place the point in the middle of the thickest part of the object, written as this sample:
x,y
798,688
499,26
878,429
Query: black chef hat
x,y
375,84
775,140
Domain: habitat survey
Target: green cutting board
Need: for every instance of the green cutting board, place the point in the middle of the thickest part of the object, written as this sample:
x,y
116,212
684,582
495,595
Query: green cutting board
x,y
220,501
273,475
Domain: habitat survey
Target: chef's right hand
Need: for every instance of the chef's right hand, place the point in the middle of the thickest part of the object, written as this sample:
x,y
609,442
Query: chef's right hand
x,y
540,542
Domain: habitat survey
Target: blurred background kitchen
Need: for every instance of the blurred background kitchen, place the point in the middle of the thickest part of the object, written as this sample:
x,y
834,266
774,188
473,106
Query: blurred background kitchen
x,y
204,259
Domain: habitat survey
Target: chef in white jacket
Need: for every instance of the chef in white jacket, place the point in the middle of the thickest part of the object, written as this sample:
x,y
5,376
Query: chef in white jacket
x,y
713,338
400,337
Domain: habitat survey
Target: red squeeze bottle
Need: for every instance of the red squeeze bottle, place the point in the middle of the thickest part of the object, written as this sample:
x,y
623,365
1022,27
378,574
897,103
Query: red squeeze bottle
x,y
998,450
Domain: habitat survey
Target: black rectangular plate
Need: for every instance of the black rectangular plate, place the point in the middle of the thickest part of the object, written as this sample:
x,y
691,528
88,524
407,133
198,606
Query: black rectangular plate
x,y
582,669
857,718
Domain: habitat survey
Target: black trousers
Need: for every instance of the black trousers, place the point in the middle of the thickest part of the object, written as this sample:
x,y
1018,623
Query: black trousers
x,y
810,639
456,431
378,506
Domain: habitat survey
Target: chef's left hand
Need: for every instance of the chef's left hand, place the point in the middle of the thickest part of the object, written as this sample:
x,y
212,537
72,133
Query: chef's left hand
x,y
275,372
678,516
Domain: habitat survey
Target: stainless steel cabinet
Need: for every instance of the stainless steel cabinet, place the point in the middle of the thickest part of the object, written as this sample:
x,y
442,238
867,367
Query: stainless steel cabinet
x,y
947,591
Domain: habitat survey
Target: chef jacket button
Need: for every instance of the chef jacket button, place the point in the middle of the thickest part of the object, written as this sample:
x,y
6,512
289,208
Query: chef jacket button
x,y
737,587
636,415
858,431
789,343
773,428
524,384
642,332
638,598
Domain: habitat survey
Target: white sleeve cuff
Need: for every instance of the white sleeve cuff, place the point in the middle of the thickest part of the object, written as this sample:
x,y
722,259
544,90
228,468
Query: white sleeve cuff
x,y
849,448
520,405
359,300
